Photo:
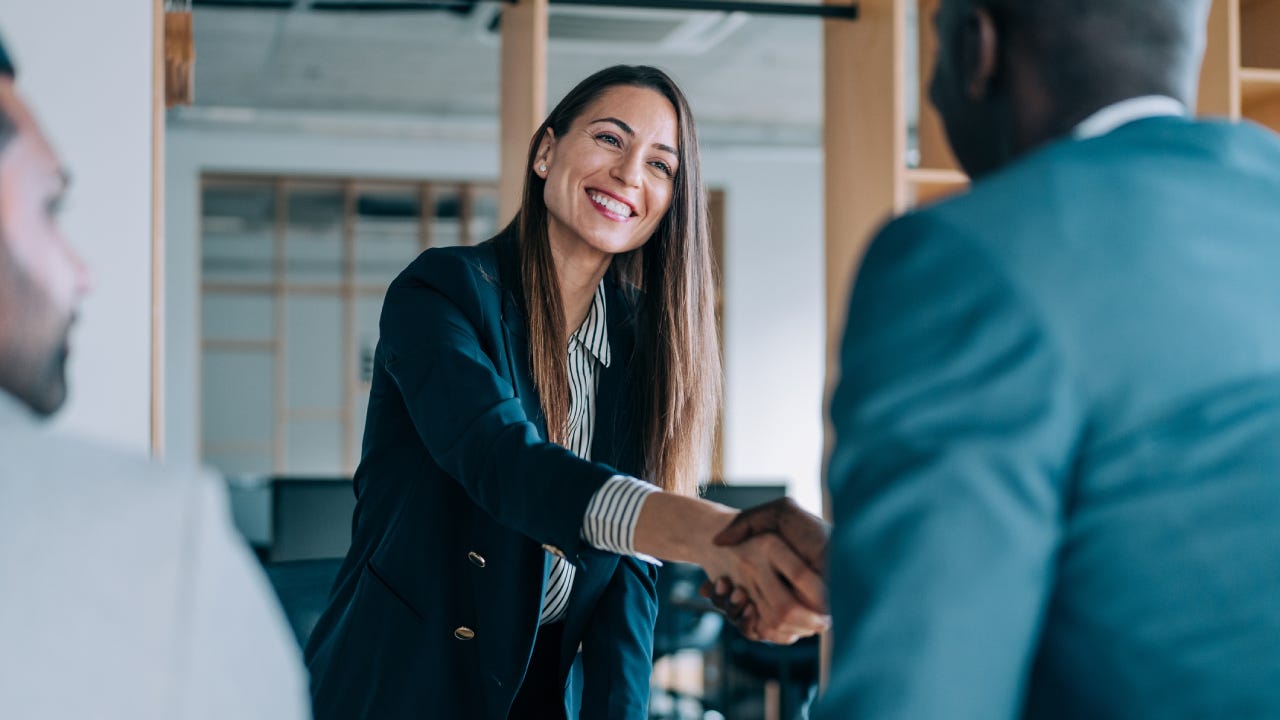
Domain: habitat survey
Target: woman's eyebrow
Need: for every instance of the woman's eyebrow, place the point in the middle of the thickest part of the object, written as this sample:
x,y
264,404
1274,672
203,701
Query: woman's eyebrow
x,y
632,133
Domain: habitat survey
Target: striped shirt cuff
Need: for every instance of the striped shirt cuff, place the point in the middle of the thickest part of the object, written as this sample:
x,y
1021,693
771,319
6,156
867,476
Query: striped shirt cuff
x,y
610,523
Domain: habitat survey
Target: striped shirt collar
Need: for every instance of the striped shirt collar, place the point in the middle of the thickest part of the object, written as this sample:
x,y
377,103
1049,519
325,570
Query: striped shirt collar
x,y
593,334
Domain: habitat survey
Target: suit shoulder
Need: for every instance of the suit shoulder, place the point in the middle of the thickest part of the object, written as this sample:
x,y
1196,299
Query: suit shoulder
x,y
446,267
61,472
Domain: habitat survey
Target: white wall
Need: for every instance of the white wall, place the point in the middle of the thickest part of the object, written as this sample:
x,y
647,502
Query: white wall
x,y
775,307
773,295
85,68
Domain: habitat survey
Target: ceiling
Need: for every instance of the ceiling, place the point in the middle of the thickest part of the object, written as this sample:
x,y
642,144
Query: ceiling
x,y
753,79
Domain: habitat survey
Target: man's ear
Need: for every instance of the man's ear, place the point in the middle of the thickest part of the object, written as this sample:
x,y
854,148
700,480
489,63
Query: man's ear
x,y
980,51
546,153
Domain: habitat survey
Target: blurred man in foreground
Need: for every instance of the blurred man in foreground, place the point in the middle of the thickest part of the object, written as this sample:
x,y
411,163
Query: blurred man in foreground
x,y
124,592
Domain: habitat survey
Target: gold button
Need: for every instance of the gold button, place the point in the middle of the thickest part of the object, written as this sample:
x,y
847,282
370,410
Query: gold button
x,y
476,559
464,633
554,551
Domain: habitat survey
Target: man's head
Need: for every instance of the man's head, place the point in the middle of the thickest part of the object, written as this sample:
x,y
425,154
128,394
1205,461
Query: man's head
x,y
1012,74
42,280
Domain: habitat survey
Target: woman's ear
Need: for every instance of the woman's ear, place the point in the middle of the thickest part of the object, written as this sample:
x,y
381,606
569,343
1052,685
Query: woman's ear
x,y
546,152
981,54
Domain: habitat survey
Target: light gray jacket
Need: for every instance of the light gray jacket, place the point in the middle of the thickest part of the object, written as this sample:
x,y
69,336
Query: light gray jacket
x,y
125,592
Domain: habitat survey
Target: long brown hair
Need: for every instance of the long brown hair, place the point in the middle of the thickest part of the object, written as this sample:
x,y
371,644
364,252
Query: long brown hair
x,y
676,377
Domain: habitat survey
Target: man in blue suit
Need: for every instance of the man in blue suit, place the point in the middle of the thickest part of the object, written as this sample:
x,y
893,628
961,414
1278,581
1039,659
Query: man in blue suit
x,y
1056,477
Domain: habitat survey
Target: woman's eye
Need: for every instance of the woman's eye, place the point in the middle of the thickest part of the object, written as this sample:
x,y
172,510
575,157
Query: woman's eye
x,y
665,168
607,138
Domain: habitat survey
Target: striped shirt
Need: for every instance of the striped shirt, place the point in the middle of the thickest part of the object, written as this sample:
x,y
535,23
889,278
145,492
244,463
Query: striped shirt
x,y
610,522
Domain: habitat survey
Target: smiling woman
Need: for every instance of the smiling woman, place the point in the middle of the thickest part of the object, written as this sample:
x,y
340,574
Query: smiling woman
x,y
520,388
614,179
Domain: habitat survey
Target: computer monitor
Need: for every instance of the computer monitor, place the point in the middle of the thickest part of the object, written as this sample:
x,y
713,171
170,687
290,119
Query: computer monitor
x,y
310,518
743,496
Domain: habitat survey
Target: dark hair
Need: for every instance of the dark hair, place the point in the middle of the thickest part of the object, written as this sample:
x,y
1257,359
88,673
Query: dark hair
x,y
7,127
6,65
1109,46
677,350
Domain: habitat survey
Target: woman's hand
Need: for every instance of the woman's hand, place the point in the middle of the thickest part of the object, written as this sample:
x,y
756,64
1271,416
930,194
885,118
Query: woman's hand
x,y
788,596
770,592
805,533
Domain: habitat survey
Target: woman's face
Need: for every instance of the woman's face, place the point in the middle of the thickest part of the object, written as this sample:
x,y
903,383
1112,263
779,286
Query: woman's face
x,y
610,178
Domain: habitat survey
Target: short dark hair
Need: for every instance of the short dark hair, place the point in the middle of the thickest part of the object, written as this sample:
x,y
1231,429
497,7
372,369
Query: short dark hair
x,y
1154,45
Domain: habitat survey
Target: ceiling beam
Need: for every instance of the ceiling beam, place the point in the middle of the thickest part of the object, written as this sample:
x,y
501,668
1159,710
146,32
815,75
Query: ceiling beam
x,y
836,11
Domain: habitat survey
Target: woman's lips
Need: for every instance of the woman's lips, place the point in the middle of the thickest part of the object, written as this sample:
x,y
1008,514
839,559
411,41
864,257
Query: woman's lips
x,y
609,206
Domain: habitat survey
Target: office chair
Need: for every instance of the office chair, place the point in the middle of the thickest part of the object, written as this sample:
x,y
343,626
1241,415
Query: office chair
x,y
793,667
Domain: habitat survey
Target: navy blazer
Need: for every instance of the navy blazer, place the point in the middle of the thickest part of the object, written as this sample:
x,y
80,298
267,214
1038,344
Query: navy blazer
x,y
1056,475
459,495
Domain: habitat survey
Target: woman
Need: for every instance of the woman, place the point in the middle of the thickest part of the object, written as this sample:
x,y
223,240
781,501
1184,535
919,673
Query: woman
x,y
520,387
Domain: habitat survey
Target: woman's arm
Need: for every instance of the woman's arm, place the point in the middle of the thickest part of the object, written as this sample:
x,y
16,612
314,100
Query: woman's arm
x,y
473,425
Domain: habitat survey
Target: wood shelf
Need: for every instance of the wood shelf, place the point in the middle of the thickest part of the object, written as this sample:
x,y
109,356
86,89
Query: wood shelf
x,y
1259,82
937,176
930,184
1260,96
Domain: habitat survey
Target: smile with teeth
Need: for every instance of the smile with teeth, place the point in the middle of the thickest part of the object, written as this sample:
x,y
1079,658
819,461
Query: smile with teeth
x,y
617,207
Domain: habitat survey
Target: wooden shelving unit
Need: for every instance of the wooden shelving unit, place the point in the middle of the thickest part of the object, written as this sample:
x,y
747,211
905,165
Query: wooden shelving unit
x,y
1241,77
930,184
939,174
289,220
1260,96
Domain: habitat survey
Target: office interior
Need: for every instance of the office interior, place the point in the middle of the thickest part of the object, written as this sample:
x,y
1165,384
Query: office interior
x,y
257,223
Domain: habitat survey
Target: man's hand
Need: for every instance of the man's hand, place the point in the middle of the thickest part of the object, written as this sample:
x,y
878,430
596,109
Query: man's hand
x,y
785,599
806,534
787,594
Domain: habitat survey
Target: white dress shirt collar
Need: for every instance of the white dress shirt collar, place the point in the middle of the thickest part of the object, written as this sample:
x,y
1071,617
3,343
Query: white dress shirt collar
x,y
1126,111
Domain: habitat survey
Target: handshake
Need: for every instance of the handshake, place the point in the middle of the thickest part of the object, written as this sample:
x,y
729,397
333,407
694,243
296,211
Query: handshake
x,y
767,572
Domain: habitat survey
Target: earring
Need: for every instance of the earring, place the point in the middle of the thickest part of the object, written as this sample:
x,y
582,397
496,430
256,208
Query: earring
x,y
542,167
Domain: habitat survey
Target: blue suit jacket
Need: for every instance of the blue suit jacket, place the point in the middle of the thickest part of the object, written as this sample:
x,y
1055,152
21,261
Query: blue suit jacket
x,y
1056,478
455,463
